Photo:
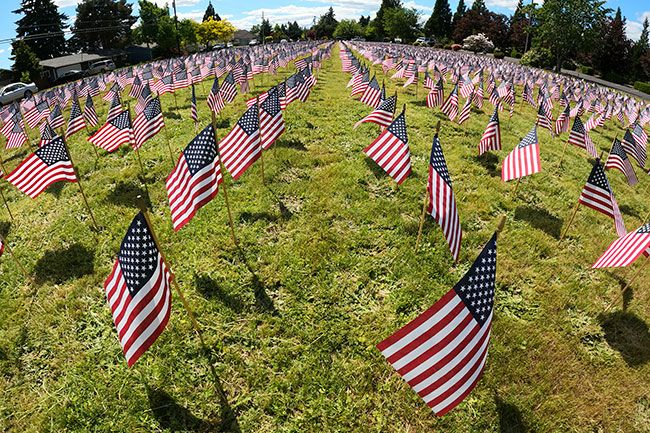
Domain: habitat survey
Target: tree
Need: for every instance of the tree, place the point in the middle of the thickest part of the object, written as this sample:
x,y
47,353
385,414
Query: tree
x,y
478,43
150,17
187,32
326,24
614,41
25,62
460,12
439,24
379,18
640,55
211,31
348,29
519,28
364,21
42,17
401,23
294,31
102,24
569,26
263,30
210,13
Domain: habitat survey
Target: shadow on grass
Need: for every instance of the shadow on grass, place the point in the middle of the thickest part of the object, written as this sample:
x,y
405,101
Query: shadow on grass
x,y
56,188
375,168
58,266
175,418
172,115
263,301
291,144
628,295
251,217
4,228
490,162
629,335
222,123
209,288
628,210
19,155
541,219
126,194
510,418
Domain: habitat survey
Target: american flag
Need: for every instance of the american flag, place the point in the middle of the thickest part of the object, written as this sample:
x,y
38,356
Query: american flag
x,y
47,135
626,249
90,115
618,159
195,179
371,96
56,117
37,113
524,159
598,195
193,114
143,98
215,98
359,86
114,90
442,203
441,353
580,137
450,107
115,108
136,87
391,151
271,120
15,133
164,85
181,80
641,138
241,146
632,148
382,115
45,166
542,119
114,133
76,122
436,96
491,139
562,122
467,108
228,89
138,290
148,123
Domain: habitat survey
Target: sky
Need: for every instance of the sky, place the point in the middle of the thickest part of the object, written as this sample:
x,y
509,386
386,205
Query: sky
x,y
244,14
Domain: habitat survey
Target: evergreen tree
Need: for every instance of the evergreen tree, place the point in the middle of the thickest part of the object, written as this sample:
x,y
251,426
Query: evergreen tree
x,y
460,12
264,30
364,21
379,19
519,28
102,24
479,6
41,17
326,25
25,62
612,57
294,31
150,18
210,13
439,24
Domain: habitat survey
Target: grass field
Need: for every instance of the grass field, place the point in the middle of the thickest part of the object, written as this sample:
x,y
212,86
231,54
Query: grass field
x,y
326,270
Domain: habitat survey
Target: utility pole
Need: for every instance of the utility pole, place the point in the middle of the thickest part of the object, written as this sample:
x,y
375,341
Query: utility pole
x,y
178,42
263,38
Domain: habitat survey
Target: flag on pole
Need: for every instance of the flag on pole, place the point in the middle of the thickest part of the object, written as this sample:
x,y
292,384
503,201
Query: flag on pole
x,y
271,120
618,159
241,147
148,123
47,135
193,114
626,249
598,195
630,145
580,137
76,122
90,115
524,159
45,166
382,115
115,133
195,179
491,139
436,96
464,114
450,107
442,203
391,151
441,353
138,291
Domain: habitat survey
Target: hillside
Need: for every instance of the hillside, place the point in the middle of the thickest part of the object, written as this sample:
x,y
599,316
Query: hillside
x,y
325,270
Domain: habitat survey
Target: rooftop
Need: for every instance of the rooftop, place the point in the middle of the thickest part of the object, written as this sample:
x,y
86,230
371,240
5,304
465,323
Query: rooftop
x,y
72,59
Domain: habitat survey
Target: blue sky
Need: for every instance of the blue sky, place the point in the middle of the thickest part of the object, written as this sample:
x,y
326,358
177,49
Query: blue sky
x,y
245,13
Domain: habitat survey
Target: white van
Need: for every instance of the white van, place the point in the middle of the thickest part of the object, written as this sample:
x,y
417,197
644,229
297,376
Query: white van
x,y
101,66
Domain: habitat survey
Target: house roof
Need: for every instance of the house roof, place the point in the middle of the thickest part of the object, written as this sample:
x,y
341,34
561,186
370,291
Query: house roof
x,y
72,59
243,34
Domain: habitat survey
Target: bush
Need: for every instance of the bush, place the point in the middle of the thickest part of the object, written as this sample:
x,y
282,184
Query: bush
x,y
570,65
478,43
456,47
514,53
642,87
447,46
537,57
498,54
583,69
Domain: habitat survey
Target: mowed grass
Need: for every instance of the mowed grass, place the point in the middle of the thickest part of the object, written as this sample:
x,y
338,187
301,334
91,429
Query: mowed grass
x,y
326,269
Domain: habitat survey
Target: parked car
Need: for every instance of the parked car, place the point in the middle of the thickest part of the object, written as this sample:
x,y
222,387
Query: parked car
x,y
68,76
424,42
397,40
15,91
100,67
253,42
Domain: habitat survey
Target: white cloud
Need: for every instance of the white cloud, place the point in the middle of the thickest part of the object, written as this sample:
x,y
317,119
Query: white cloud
x,y
302,14
2,50
179,3
66,3
633,28
195,15
505,4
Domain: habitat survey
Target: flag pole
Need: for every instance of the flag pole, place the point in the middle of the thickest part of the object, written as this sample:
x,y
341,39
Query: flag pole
x,y
2,167
137,152
627,286
261,138
225,190
186,305
570,221
93,146
169,146
83,195
13,256
424,203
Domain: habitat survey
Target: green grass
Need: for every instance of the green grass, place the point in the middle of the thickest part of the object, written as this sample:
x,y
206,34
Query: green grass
x,y
326,270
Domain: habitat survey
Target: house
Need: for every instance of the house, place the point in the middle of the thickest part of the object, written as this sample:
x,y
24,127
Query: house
x,y
54,68
139,53
242,37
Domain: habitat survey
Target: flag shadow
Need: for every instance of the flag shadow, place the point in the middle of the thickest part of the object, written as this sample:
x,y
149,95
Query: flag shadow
x,y
56,188
63,264
173,417
490,162
540,219
127,194
5,226
629,335
209,288
263,301
511,419
291,144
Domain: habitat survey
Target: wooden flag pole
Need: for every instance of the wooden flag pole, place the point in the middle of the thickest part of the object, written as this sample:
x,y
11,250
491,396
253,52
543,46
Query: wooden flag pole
x,y
4,172
424,203
169,146
186,305
93,146
514,193
13,256
559,164
261,138
223,184
83,195
627,286
570,221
